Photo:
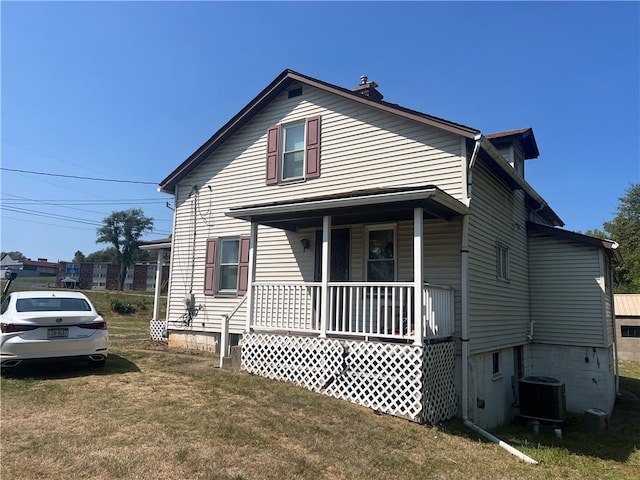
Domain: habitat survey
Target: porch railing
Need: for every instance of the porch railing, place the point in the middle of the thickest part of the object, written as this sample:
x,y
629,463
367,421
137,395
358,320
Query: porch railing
x,y
383,310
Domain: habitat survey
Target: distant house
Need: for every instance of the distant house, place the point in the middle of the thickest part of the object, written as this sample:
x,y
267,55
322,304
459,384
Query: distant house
x,y
628,326
30,268
9,263
42,266
387,257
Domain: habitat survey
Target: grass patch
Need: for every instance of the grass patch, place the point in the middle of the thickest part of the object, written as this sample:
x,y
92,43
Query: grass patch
x,y
630,376
151,413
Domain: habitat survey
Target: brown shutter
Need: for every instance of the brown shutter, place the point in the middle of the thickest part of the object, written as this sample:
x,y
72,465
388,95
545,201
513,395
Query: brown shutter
x,y
243,265
273,154
210,267
313,148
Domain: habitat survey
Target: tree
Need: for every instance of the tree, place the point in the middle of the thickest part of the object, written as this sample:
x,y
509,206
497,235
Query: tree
x,y
14,255
108,254
123,231
625,230
78,257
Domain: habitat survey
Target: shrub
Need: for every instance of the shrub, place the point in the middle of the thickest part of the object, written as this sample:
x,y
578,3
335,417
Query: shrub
x,y
121,307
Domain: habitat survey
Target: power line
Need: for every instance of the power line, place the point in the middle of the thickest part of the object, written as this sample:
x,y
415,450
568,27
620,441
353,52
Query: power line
x,y
35,213
77,177
74,203
159,233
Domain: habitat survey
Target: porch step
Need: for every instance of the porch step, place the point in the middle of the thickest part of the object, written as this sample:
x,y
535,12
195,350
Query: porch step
x,y
232,361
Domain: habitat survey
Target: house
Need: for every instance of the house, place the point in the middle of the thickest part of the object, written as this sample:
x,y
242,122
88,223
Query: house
x,y
387,257
8,263
628,326
29,268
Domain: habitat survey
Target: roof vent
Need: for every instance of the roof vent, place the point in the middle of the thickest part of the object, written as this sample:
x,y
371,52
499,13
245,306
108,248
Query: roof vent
x,y
368,89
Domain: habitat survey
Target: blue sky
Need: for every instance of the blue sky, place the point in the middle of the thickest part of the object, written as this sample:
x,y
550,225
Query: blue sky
x,y
128,90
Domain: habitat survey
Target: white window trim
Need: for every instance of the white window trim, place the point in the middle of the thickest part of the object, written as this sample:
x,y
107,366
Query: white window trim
x,y
283,140
220,265
377,227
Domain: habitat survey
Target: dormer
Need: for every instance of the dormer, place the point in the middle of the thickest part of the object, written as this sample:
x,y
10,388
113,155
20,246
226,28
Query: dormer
x,y
515,146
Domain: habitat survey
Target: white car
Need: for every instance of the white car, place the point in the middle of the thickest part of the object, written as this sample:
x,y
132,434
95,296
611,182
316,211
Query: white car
x,y
38,326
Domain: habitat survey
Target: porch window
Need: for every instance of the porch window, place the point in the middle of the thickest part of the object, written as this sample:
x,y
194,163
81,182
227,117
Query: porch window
x,y
502,262
293,151
381,256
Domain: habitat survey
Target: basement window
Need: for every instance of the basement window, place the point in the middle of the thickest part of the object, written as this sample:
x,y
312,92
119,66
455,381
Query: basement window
x,y
495,357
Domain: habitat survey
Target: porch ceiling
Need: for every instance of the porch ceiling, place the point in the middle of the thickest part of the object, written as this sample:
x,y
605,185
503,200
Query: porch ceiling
x,y
365,206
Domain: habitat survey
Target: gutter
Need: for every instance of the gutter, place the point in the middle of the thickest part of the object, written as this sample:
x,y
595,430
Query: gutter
x,y
488,147
464,250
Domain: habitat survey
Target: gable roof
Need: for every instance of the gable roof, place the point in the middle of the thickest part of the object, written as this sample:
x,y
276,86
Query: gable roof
x,y
526,137
277,86
289,77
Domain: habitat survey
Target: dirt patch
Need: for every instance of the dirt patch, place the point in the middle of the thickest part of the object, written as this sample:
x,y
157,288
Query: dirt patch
x,y
200,365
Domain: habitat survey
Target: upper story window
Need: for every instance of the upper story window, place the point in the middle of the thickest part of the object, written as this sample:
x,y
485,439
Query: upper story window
x,y
502,262
381,256
293,155
293,151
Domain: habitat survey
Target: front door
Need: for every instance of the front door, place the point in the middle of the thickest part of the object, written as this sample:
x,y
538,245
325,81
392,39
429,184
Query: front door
x,y
339,269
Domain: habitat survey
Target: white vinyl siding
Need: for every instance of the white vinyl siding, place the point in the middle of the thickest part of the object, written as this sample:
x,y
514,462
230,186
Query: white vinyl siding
x,y
370,148
498,310
567,292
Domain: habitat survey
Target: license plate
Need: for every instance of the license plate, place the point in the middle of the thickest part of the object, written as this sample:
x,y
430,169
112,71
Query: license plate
x,y
58,333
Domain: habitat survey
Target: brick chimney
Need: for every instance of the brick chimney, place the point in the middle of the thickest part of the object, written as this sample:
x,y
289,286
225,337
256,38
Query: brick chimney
x,y
368,89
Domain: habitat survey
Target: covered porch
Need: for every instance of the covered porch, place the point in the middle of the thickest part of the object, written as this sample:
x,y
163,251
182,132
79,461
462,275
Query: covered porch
x,y
383,340
333,305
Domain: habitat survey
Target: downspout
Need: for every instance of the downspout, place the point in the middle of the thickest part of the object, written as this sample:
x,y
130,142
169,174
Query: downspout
x,y
465,323
613,322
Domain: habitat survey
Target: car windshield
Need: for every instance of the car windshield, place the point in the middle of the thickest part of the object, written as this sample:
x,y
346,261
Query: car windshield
x,y
52,305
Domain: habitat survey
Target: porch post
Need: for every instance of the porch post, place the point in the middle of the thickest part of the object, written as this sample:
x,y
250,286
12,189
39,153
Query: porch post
x,y
156,293
326,261
251,277
418,274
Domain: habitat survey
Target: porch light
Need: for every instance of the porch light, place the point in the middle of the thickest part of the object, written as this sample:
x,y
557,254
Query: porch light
x,y
305,243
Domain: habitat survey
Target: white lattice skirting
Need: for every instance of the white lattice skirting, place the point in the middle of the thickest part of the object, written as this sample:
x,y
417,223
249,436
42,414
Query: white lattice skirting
x,y
158,328
403,380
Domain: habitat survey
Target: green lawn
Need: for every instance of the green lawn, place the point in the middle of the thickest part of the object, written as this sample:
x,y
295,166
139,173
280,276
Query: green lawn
x,y
154,414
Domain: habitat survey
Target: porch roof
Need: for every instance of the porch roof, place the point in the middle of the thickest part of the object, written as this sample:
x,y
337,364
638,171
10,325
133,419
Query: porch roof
x,y
362,206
